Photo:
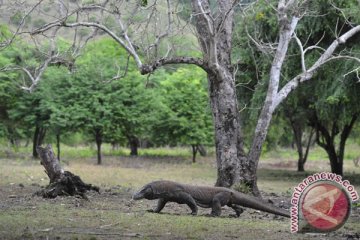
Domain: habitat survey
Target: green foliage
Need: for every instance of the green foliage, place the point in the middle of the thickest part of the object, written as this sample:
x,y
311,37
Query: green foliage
x,y
336,97
121,108
143,3
161,110
4,32
9,92
187,119
334,13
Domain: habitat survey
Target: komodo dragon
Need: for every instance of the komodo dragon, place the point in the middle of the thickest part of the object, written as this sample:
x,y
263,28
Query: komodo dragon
x,y
206,197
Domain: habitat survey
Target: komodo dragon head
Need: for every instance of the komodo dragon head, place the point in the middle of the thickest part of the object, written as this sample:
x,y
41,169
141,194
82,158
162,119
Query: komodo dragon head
x,y
144,192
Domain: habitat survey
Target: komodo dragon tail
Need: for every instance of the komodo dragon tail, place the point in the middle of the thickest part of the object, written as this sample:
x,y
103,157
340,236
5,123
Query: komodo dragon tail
x,y
258,204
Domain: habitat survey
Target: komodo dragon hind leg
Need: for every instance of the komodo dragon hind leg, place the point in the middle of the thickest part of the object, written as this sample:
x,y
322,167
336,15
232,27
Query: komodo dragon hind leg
x,y
215,208
219,200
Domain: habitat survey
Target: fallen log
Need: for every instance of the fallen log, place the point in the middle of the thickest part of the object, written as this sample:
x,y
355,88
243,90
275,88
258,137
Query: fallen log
x,y
62,183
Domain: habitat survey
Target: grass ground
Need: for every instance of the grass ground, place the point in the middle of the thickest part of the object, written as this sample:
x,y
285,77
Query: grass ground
x,y
112,214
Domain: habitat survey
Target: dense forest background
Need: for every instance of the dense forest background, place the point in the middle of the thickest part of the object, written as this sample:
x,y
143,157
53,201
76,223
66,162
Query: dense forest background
x,y
98,96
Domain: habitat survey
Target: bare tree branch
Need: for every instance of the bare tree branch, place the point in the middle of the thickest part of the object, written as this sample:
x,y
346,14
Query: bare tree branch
x,y
324,58
149,68
128,46
266,48
34,77
356,71
166,32
302,53
21,24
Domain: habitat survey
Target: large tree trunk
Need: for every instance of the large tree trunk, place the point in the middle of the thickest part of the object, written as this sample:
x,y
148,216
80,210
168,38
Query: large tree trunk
x,y
215,38
62,183
227,128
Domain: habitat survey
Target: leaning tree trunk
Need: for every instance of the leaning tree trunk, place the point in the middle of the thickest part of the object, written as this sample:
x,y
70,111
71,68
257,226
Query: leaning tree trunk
x,y
62,183
249,166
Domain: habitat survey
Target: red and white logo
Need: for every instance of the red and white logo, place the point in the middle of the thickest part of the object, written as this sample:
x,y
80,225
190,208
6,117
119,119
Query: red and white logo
x,y
321,203
325,206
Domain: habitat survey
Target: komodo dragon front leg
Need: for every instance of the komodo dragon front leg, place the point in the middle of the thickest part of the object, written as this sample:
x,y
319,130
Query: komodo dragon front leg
x,y
180,198
238,210
160,205
185,198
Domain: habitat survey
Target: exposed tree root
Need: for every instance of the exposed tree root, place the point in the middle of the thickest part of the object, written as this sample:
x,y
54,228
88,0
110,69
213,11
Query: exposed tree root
x,y
62,183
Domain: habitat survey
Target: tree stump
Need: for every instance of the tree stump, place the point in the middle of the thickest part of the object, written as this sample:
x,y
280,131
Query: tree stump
x,y
62,183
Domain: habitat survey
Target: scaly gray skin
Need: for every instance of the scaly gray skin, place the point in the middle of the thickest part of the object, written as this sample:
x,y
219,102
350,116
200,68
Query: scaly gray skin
x,y
206,197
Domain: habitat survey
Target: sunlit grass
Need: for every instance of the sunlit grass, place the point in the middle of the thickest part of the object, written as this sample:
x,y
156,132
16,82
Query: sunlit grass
x,y
88,151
